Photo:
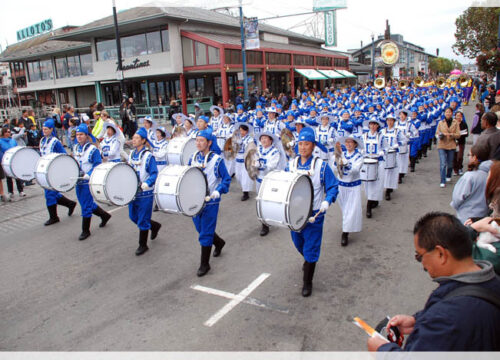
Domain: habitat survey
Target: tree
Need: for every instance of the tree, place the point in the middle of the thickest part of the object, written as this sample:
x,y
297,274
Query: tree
x,y
443,65
476,31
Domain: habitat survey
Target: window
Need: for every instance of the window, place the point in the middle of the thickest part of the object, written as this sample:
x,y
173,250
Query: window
x,y
133,45
278,59
343,62
34,70
201,53
165,41
74,66
153,40
106,50
213,55
303,60
61,68
46,72
86,64
254,57
187,51
323,61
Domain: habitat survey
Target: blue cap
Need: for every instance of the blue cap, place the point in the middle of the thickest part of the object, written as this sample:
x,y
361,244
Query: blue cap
x,y
307,134
239,107
142,133
290,113
204,118
207,134
49,123
83,128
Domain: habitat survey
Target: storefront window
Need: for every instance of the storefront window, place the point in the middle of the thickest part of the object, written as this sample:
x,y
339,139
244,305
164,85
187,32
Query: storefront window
x,y
213,55
134,45
153,42
61,67
255,57
34,70
201,53
86,63
303,60
165,40
74,66
106,50
187,51
153,94
323,61
46,72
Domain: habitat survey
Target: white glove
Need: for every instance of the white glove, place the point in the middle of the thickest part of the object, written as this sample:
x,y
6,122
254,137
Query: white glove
x,y
256,163
291,143
145,187
324,206
215,195
86,177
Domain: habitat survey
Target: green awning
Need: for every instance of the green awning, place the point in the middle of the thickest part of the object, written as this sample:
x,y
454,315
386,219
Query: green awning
x,y
311,74
332,74
346,73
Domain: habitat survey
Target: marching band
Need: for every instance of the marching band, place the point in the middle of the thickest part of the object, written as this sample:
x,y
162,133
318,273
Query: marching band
x,y
333,141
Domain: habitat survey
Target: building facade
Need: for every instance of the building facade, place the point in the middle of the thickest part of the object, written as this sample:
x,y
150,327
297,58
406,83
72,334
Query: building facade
x,y
187,54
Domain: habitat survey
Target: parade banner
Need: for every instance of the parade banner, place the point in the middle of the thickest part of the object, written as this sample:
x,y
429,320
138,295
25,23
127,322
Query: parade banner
x,y
328,5
330,28
252,40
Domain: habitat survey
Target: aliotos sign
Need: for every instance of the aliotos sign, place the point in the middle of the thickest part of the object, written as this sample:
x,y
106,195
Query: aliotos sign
x,y
35,29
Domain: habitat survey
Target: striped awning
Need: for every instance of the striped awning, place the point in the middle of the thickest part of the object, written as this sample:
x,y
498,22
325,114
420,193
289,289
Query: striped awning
x,y
311,74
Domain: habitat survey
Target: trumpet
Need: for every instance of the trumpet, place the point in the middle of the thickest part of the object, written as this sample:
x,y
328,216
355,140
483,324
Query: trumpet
x,y
379,83
403,84
440,82
418,81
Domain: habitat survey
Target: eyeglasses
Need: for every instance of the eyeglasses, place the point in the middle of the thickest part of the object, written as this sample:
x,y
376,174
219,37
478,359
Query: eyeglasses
x,y
419,257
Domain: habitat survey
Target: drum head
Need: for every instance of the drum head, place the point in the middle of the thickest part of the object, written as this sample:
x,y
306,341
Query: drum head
x,y
192,191
121,184
63,173
23,164
301,199
188,151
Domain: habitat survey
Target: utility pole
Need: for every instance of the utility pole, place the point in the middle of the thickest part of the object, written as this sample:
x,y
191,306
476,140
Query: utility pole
x,y
119,70
387,36
498,49
373,57
243,54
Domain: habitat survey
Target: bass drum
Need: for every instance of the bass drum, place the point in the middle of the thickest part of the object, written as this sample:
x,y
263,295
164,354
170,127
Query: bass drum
x,y
20,162
181,190
114,183
58,172
285,199
180,150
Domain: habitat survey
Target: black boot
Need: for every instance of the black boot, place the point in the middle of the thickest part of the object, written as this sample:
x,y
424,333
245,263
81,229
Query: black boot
x,y
218,245
400,181
424,151
369,209
345,239
143,243
413,160
388,194
205,258
85,228
419,155
245,196
265,230
53,218
374,204
103,215
308,277
64,201
155,228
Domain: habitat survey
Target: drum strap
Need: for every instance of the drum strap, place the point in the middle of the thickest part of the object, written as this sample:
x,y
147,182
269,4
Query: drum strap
x,y
205,161
295,165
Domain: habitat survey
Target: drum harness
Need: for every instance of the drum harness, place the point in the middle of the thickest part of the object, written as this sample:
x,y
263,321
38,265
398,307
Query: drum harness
x,y
310,172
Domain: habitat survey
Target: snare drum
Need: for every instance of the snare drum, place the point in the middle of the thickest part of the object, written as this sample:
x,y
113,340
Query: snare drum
x,y
58,172
369,170
390,159
180,150
181,189
20,162
285,199
114,183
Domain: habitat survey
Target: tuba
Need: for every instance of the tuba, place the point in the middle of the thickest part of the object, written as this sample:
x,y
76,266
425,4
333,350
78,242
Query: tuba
x,y
441,82
403,84
379,83
418,81
463,80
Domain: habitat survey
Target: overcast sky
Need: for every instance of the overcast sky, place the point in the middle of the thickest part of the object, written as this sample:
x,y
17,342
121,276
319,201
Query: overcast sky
x,y
428,23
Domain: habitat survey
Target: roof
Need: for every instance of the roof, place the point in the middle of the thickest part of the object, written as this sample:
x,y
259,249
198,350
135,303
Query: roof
x,y
41,45
155,15
419,49
236,40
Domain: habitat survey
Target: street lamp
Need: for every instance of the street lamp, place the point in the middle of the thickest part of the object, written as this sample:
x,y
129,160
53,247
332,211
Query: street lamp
x,y
373,57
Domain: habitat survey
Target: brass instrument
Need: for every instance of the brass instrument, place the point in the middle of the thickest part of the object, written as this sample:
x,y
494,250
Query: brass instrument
x,y
287,140
403,84
232,146
379,83
463,80
418,81
441,82
251,160
179,131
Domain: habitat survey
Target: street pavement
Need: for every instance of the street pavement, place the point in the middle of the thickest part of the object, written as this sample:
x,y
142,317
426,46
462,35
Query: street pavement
x,y
58,293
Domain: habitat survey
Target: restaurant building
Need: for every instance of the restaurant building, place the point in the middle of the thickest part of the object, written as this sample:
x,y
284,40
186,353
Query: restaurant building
x,y
183,53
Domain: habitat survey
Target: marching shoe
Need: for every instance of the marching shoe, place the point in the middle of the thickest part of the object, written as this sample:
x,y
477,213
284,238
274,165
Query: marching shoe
x,y
204,263
143,241
245,196
374,204
265,230
71,205
369,209
218,245
103,215
85,228
308,276
155,228
400,180
345,239
387,195
53,218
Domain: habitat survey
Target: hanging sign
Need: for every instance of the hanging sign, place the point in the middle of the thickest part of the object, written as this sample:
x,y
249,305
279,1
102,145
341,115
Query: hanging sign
x,y
251,27
327,5
330,28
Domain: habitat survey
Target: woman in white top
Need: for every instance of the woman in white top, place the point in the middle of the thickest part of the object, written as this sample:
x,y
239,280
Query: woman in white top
x,y
110,145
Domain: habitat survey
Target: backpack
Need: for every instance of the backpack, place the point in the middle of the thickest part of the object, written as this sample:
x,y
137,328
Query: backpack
x,y
477,292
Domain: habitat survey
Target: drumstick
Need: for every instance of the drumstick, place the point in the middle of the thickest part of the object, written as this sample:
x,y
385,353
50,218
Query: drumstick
x,y
313,218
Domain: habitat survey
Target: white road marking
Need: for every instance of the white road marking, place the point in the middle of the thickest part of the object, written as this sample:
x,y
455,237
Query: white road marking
x,y
118,208
235,298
